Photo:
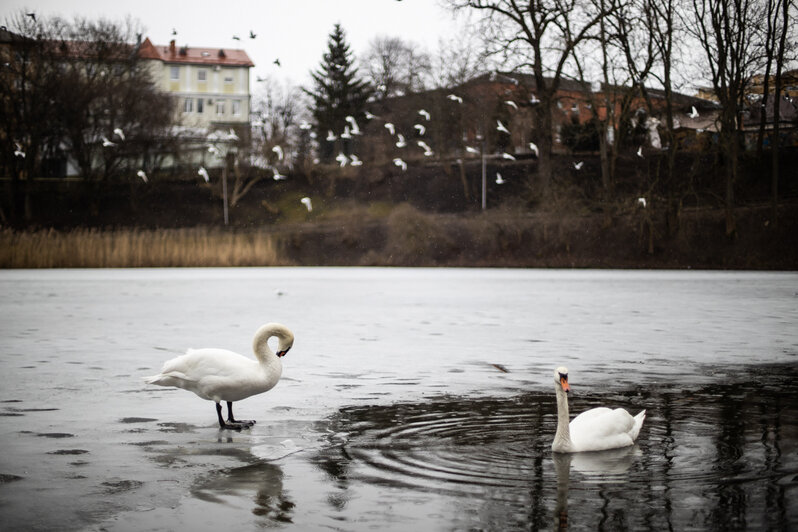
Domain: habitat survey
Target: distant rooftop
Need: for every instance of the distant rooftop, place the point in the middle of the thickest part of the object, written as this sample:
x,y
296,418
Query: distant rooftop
x,y
193,55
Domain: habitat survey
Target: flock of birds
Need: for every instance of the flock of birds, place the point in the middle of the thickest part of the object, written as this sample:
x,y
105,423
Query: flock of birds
x,y
220,375
351,130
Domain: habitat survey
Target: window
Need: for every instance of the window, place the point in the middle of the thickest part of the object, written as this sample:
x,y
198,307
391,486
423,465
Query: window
x,y
200,105
202,75
219,107
174,73
188,105
236,107
228,80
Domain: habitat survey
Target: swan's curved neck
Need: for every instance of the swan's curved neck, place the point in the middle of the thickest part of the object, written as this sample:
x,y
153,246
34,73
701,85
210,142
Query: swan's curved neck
x,y
562,438
260,345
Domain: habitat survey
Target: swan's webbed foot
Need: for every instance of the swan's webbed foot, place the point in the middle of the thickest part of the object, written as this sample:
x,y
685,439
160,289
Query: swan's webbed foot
x,y
237,426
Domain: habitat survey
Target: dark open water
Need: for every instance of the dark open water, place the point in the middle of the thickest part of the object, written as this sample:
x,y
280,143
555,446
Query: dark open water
x,y
413,399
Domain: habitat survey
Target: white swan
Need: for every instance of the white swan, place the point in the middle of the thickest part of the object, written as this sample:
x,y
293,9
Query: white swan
x,y
597,429
220,375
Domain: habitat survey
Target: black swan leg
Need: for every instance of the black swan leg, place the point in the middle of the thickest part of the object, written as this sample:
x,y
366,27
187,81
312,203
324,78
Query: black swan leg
x,y
232,424
231,419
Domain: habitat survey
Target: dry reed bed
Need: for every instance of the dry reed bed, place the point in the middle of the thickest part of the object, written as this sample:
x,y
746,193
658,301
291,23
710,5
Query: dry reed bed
x,y
134,248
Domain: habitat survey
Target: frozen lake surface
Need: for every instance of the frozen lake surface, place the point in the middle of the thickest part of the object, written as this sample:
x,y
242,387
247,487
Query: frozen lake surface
x,y
413,398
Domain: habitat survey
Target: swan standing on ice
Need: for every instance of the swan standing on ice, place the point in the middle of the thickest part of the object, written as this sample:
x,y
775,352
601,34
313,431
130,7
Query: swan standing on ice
x,y
597,429
220,375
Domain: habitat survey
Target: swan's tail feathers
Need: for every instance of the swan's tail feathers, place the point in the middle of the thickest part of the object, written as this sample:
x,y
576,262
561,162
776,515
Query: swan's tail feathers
x,y
173,378
638,424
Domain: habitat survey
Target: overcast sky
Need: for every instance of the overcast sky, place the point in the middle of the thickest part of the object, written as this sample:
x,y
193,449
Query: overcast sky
x,y
295,31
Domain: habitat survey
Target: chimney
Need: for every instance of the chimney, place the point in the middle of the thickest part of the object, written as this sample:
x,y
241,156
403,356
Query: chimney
x,y
172,47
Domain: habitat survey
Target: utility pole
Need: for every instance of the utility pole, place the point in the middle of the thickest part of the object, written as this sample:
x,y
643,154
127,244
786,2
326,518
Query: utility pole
x,y
224,185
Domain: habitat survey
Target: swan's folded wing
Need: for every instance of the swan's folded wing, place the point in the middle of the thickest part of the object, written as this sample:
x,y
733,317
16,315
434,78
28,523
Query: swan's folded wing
x,y
600,423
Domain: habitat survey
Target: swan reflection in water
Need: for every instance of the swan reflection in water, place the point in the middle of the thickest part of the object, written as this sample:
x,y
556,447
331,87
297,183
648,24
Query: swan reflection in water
x,y
598,466
263,479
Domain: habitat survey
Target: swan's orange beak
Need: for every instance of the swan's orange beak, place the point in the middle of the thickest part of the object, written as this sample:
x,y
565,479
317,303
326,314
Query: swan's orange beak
x,y
564,384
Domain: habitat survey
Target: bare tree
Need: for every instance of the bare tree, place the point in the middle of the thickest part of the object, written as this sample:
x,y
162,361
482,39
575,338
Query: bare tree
x,y
395,66
70,86
457,60
540,35
726,32
780,51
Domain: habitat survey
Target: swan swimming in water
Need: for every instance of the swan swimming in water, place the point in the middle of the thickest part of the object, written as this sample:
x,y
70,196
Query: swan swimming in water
x,y
597,429
221,375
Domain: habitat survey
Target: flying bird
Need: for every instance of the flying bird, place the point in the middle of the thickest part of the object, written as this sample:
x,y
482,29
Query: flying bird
x,y
533,99
400,143
32,16
331,136
390,128
693,112
307,203
370,116
277,62
506,155
18,151
455,98
512,104
534,148
174,31
641,202
107,143
143,176
500,127
399,162
277,176
346,134
342,159
421,129
640,151
236,38
355,127
578,166
204,173
279,151
424,113
305,125
252,34
119,133
469,149
221,375
232,135
425,146
499,179
259,79
354,161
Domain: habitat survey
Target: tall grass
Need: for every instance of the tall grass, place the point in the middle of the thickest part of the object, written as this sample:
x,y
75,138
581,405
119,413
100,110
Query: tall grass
x,y
134,248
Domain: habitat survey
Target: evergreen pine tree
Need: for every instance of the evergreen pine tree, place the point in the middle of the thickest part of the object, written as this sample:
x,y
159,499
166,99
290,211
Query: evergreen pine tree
x,y
338,92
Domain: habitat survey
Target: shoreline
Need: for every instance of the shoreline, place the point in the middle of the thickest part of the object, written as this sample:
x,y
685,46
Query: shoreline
x,y
408,237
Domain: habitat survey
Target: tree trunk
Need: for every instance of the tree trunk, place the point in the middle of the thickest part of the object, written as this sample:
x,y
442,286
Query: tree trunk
x,y
774,176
